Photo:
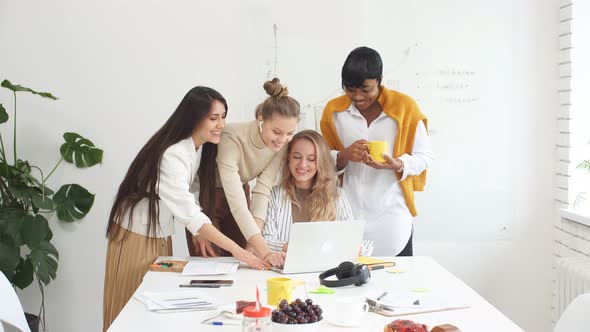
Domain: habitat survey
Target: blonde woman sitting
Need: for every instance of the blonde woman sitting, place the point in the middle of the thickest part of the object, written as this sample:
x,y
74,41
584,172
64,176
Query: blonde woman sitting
x,y
309,191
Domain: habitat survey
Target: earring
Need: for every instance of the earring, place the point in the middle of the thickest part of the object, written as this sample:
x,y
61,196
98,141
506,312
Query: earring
x,y
260,125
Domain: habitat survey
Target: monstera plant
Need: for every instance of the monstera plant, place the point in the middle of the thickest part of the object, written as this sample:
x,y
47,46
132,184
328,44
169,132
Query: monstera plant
x,y
27,204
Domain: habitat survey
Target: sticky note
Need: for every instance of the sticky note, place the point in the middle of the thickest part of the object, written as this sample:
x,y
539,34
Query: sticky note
x,y
323,290
420,290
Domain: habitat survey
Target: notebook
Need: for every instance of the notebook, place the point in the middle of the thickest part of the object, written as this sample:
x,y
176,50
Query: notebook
x,y
176,301
322,245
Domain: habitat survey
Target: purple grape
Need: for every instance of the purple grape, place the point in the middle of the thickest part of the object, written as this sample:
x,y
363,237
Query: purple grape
x,y
309,301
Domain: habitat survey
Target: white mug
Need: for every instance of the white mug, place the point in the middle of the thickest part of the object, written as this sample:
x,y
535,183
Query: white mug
x,y
348,311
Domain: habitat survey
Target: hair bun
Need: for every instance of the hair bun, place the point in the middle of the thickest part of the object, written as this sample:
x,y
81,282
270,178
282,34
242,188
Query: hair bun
x,y
274,88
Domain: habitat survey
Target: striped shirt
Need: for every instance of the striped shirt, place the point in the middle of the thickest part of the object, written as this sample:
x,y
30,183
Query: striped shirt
x,y
279,218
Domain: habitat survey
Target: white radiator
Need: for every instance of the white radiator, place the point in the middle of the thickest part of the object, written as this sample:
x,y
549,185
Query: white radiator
x,y
573,279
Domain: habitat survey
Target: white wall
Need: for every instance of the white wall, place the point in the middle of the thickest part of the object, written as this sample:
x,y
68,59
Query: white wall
x,y
484,72
571,229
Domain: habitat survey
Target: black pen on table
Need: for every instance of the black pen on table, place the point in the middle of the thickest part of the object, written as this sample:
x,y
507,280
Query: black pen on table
x,y
199,286
382,296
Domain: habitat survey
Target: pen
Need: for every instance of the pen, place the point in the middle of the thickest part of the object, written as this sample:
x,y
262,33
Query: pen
x,y
381,296
222,323
199,286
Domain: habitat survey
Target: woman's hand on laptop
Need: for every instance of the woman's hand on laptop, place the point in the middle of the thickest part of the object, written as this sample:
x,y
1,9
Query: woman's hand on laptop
x,y
250,259
274,258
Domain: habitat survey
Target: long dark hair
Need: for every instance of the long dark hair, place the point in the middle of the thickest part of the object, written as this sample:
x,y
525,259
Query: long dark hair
x,y
141,180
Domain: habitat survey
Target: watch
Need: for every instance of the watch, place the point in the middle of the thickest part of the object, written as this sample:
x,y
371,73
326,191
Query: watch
x,y
401,169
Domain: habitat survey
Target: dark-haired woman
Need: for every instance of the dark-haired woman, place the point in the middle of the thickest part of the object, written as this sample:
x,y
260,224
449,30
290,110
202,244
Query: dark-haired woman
x,y
382,193
168,181
248,151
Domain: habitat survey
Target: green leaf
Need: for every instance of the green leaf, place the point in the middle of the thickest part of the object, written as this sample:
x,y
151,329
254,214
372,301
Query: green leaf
x,y
9,259
24,274
80,151
41,201
44,258
34,230
11,221
72,202
17,88
3,114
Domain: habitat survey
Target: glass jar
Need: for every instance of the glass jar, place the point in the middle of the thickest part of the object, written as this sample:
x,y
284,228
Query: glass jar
x,y
257,320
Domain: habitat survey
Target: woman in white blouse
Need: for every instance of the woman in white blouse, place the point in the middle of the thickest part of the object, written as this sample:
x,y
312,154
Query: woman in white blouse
x,y
169,180
309,191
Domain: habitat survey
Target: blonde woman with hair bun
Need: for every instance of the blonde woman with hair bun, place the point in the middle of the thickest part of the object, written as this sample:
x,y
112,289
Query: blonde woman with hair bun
x,y
308,192
248,151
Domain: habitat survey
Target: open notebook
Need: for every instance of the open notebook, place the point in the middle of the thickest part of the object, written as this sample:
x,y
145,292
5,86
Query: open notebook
x,y
176,301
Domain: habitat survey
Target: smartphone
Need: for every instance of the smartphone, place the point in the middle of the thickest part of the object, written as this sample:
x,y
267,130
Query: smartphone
x,y
211,283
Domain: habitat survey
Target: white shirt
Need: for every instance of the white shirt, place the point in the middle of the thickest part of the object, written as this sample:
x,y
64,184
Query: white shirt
x,y
178,189
375,195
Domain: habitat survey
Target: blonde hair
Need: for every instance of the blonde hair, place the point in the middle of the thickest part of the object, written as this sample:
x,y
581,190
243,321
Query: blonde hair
x,y
321,201
279,102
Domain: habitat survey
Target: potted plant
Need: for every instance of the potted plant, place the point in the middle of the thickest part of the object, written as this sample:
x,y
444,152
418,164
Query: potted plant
x,y
27,204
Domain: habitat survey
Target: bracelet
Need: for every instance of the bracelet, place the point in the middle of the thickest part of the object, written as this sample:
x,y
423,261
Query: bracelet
x,y
401,169
267,255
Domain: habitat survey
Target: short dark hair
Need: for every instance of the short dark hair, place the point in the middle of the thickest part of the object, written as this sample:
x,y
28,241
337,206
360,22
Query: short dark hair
x,y
361,64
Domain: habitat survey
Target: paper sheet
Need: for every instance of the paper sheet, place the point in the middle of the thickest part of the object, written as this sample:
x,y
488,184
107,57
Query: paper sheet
x,y
174,301
203,268
406,303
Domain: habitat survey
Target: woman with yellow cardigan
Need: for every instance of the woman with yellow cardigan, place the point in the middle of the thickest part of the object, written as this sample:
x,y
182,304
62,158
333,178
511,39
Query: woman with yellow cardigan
x,y
252,151
380,192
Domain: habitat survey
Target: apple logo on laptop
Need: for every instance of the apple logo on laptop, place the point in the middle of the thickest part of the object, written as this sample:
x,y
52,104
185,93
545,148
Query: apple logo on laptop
x,y
327,247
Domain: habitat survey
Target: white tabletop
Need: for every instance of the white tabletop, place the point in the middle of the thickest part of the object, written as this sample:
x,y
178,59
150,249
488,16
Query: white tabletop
x,y
418,274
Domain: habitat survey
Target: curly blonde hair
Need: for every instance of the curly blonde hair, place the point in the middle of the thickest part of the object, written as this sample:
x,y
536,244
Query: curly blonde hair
x,y
321,201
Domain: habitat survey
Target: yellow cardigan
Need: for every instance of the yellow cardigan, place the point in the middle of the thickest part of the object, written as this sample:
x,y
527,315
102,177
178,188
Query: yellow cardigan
x,y
403,110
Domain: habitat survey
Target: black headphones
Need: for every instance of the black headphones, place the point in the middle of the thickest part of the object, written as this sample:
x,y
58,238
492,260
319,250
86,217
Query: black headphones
x,y
347,273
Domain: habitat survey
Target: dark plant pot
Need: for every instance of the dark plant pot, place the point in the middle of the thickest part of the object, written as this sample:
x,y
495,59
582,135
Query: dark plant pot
x,y
33,321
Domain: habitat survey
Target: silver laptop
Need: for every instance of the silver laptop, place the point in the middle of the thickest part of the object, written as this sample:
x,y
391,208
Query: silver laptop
x,y
318,246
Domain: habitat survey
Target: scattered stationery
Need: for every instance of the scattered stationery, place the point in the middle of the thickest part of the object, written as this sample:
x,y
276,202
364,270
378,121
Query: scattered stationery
x,y
203,268
176,301
168,266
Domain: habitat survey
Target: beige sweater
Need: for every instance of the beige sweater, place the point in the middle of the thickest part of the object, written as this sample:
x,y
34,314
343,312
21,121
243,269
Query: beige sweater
x,y
242,157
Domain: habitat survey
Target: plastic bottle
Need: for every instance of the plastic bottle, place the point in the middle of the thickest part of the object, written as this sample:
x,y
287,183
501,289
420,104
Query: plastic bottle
x,y
257,319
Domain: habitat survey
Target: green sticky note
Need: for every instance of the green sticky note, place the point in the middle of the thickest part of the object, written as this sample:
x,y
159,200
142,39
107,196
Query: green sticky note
x,y
323,290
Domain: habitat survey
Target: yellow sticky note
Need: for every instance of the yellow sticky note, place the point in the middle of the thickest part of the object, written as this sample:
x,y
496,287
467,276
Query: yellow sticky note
x,y
394,271
420,290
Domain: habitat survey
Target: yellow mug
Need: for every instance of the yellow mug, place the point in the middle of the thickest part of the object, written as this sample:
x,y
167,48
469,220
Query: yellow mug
x,y
279,289
377,149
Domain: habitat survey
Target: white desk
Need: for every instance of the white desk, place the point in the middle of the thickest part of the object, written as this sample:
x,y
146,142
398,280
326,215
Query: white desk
x,y
420,272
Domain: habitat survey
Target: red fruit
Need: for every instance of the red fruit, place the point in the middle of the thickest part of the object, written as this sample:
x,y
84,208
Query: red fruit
x,y
404,325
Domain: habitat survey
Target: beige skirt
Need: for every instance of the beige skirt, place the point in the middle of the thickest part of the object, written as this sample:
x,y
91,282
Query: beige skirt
x,y
126,263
